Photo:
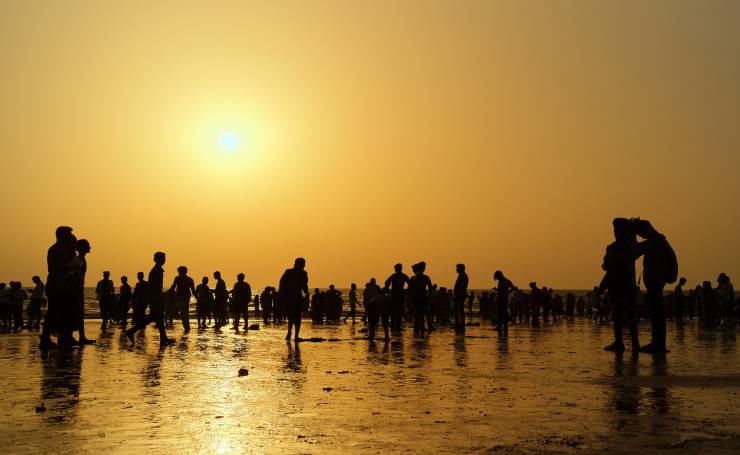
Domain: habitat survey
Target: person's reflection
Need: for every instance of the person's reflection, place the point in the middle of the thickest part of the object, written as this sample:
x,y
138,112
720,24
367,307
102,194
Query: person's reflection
x,y
293,366
460,352
60,383
152,373
659,393
626,395
379,356
397,351
502,348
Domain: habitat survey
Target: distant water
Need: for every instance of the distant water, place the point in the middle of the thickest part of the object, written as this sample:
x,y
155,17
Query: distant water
x,y
92,311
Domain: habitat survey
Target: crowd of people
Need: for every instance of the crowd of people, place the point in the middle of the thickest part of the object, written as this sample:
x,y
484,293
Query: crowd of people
x,y
402,299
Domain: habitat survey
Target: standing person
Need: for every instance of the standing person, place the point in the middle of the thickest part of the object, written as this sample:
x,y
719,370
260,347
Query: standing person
x,y
241,295
679,302
726,295
396,283
17,297
184,288
83,249
139,300
419,287
34,306
505,287
61,315
660,267
353,302
4,306
619,280
124,300
293,291
266,304
155,298
221,296
105,290
204,301
460,294
371,290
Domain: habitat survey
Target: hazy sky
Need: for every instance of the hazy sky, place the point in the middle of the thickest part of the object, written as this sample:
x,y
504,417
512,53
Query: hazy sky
x,y
502,134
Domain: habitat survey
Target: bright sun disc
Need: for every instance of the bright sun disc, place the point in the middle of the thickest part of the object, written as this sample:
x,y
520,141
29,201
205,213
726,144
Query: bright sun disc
x,y
228,141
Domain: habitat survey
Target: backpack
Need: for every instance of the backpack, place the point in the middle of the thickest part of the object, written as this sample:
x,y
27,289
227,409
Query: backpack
x,y
670,264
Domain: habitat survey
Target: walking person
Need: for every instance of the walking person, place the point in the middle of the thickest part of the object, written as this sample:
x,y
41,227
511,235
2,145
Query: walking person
x,y
155,298
61,315
184,288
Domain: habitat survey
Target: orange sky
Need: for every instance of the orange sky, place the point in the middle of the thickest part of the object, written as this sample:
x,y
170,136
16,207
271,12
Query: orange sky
x,y
500,134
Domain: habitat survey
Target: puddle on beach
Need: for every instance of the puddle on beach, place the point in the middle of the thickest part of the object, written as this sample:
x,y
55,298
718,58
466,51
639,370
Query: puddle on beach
x,y
551,389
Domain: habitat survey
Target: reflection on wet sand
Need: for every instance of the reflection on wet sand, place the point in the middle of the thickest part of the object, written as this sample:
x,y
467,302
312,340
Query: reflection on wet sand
x,y
535,390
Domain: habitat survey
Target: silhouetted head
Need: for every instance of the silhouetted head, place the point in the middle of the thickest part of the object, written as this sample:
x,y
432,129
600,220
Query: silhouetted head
x,y
204,280
2,285
316,291
353,286
644,229
682,281
182,270
217,275
372,281
498,275
106,274
460,268
398,267
124,279
299,264
596,289
623,229
63,233
722,278
707,285
159,258
15,285
36,279
240,277
533,285
82,246
140,276
331,287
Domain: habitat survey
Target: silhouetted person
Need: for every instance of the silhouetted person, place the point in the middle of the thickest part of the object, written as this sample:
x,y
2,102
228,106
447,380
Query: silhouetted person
x,y
17,297
619,280
139,303
726,295
353,302
371,290
293,291
266,299
124,300
184,288
4,306
378,309
535,297
679,302
35,303
105,290
155,297
460,295
471,300
221,296
61,315
505,287
203,302
333,304
419,286
241,295
83,249
659,268
396,283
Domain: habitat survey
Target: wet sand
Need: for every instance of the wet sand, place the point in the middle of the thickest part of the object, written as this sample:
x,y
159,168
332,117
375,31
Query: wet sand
x,y
551,389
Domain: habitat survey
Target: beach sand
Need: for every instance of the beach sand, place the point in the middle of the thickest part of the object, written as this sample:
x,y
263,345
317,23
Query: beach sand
x,y
551,389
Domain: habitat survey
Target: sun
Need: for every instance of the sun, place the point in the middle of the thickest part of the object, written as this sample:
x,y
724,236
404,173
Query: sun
x,y
229,141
